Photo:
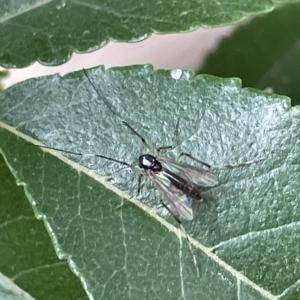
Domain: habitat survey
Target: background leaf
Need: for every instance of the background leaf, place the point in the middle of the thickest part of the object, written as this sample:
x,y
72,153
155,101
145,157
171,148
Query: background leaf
x,y
50,31
264,53
27,254
245,231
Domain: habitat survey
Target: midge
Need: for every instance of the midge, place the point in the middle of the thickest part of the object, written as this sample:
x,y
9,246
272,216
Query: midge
x,y
175,180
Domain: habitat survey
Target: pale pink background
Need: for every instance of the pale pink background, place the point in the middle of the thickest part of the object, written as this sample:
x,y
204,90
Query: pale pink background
x,y
171,51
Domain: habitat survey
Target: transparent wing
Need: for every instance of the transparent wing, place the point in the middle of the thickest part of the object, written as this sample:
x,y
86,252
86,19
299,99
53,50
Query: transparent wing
x,y
175,197
193,174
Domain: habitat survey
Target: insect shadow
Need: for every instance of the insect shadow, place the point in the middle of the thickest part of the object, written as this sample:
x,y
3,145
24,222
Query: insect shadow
x,y
176,181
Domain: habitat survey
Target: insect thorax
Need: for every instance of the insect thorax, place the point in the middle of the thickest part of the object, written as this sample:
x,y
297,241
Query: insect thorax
x,y
149,162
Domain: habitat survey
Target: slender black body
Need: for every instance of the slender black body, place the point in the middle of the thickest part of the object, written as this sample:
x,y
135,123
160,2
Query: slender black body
x,y
150,164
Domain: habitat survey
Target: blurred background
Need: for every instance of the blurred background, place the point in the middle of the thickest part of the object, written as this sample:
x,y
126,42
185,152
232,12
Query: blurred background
x,y
170,51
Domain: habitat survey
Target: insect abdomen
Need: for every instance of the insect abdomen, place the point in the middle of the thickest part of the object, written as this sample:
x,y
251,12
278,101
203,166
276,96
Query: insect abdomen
x,y
186,187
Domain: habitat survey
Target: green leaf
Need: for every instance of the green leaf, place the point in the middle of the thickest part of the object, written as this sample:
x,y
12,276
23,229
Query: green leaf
x,y
50,31
27,255
245,233
263,53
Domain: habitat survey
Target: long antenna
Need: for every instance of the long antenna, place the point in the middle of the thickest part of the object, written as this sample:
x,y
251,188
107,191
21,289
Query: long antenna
x,y
82,154
105,102
108,106
137,134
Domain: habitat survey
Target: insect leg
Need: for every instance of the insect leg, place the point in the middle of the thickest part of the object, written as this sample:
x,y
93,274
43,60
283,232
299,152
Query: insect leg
x,y
139,184
250,162
186,236
173,139
193,158
138,191
219,166
163,148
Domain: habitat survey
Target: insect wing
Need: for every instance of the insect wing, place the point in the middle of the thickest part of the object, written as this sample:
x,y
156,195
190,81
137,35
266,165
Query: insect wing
x,y
176,198
193,174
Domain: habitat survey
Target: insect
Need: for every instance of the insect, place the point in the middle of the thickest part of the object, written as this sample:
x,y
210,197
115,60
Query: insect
x,y
176,181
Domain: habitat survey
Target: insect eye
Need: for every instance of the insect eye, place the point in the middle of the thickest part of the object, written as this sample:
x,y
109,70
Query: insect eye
x,y
141,161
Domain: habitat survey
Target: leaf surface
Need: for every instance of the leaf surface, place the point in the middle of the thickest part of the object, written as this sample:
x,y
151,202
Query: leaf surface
x,y
27,256
50,31
245,233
